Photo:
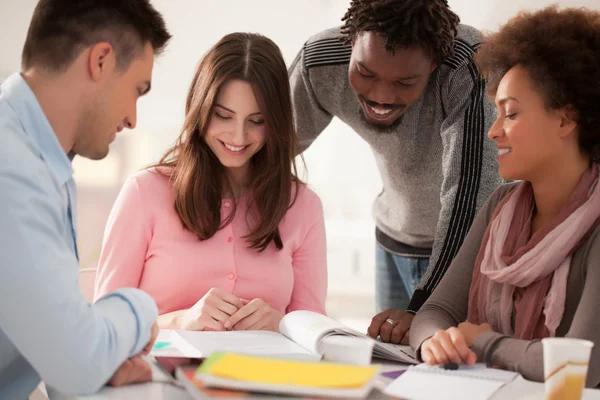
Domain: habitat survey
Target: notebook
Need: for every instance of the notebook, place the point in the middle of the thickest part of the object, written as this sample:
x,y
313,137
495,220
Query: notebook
x,y
288,377
302,333
425,382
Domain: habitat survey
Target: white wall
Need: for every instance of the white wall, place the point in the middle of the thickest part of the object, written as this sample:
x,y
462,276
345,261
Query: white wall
x,y
341,167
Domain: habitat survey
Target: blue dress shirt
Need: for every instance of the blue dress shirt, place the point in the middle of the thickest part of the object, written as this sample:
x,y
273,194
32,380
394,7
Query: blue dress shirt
x,y
47,328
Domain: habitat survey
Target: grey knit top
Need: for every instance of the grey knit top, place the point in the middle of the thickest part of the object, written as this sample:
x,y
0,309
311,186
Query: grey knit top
x,y
437,165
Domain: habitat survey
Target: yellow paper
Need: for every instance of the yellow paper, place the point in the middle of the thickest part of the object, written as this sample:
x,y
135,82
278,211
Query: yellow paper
x,y
287,372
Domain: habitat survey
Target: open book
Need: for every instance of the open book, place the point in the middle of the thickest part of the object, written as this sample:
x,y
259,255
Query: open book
x,y
301,337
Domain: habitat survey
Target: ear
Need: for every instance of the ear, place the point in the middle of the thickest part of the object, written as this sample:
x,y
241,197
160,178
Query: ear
x,y
433,67
568,121
101,61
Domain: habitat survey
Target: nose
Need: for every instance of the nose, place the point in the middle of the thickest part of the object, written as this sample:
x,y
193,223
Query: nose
x,y
131,121
497,130
381,93
238,136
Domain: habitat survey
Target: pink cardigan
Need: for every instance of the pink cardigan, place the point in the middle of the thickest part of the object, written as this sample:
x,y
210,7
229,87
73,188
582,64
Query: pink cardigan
x,y
145,246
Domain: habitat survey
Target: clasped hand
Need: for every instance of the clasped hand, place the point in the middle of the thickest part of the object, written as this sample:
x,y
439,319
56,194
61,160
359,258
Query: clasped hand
x,y
453,345
219,311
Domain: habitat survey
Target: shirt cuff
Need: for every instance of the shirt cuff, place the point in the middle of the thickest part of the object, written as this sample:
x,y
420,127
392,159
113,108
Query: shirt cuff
x,y
485,343
419,298
145,311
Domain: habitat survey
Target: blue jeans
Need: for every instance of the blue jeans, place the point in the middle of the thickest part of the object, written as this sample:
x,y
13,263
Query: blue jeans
x,y
396,278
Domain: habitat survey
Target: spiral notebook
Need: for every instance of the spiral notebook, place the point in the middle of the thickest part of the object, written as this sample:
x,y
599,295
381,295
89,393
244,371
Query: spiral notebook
x,y
423,382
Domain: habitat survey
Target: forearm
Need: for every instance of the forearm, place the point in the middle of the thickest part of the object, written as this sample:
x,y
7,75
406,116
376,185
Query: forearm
x,y
522,356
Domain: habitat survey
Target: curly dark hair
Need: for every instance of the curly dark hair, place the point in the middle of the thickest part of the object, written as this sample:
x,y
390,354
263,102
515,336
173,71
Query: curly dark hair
x,y
560,49
429,24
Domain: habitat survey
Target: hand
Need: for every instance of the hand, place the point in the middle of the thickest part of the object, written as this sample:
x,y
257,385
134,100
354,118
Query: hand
x,y
134,370
392,333
153,335
211,311
471,331
446,347
255,315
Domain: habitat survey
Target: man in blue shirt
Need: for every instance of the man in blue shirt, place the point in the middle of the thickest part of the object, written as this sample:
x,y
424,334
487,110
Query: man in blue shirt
x,y
85,63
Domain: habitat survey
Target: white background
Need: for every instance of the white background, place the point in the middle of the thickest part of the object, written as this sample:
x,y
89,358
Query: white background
x,y
340,165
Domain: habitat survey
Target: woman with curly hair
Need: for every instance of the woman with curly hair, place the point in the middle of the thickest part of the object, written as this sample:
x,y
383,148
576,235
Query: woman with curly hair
x,y
530,265
221,232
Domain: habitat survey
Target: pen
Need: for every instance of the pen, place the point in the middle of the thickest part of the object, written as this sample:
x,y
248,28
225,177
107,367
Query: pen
x,y
454,367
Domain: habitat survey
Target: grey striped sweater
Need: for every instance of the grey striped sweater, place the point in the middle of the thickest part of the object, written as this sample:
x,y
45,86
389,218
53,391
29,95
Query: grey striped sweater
x,y
437,167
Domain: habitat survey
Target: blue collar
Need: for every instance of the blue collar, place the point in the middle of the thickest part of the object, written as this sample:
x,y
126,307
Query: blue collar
x,y
22,99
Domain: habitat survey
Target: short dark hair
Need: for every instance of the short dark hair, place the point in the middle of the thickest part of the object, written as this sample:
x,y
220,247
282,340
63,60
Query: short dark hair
x,y
61,29
429,24
560,49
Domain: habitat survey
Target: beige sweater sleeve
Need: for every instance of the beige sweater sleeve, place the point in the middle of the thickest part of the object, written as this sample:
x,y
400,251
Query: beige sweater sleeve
x,y
448,305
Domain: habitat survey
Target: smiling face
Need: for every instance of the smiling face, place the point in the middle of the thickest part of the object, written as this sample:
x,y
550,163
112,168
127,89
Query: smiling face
x,y
385,84
236,131
531,140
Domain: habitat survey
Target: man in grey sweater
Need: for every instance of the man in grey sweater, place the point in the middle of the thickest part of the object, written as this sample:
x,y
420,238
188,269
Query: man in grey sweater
x,y
401,74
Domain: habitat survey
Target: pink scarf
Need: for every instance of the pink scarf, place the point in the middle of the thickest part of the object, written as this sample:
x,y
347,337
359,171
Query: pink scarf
x,y
530,275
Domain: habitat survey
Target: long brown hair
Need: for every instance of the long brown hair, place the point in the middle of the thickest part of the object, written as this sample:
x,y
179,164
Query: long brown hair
x,y
196,174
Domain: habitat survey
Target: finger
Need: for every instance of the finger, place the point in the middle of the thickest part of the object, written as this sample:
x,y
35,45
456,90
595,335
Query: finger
x,y
458,339
142,372
258,325
472,358
385,332
226,308
218,315
399,330
119,376
242,313
211,324
436,348
427,355
448,346
231,299
246,323
376,324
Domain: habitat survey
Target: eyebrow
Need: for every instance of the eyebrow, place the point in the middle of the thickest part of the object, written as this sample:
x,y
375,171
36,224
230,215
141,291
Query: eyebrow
x,y
233,112
504,100
404,78
148,87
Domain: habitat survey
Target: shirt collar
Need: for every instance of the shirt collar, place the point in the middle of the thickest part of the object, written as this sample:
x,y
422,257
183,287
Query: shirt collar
x,y
22,99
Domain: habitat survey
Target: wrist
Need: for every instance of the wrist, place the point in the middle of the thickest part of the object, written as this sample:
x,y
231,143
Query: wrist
x,y
172,320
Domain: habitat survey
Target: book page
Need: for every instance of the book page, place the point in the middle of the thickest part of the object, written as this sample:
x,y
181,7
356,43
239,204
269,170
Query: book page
x,y
307,328
264,343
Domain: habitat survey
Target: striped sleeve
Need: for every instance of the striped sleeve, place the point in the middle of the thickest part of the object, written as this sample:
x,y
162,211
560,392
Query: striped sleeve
x,y
469,166
310,117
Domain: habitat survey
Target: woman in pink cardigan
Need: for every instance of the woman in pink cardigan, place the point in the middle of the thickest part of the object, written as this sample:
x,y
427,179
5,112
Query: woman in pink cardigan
x,y
221,232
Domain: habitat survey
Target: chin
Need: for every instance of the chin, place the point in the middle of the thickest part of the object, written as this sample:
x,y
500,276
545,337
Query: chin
x,y
95,154
509,175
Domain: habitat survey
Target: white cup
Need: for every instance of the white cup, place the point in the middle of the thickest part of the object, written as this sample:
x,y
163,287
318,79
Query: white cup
x,y
566,363
347,349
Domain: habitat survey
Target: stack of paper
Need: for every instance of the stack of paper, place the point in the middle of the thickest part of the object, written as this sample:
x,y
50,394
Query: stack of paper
x,y
299,378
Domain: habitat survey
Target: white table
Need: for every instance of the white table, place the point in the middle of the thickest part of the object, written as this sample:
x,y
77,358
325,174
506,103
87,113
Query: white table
x,y
520,389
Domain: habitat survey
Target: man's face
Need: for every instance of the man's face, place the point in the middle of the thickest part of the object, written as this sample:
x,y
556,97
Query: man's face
x,y
385,84
114,106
